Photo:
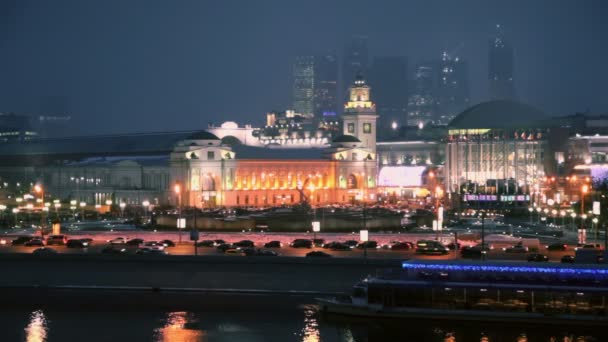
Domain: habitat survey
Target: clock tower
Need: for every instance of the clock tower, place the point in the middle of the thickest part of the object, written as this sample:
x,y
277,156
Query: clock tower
x,y
359,118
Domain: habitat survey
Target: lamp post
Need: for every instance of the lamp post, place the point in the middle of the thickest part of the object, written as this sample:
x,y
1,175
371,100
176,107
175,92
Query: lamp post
x,y
595,229
82,205
177,189
531,210
145,204
109,204
584,190
573,215
122,206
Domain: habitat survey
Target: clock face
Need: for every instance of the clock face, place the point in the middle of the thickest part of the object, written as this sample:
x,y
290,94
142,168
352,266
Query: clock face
x,y
367,128
351,128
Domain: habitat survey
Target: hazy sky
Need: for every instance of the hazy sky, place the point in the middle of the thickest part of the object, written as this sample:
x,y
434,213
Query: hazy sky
x,y
150,65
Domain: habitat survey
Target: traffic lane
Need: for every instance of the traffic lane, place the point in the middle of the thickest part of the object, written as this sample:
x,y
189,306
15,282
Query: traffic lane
x,y
188,249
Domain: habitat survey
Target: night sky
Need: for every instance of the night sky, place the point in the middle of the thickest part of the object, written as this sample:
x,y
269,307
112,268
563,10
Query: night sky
x,y
152,65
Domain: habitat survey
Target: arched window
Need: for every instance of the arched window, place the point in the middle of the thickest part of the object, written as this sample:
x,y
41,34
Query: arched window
x,y
352,182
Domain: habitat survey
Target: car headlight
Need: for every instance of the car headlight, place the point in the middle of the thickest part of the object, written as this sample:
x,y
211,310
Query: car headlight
x,y
85,244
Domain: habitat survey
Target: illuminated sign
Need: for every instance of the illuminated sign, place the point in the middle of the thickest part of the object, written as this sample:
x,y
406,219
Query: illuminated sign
x,y
406,176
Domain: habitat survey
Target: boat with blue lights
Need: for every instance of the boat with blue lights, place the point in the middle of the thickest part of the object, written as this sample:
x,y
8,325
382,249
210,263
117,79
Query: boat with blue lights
x,y
539,293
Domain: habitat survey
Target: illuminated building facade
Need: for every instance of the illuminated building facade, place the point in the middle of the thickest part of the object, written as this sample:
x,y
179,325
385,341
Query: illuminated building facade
x,y
452,89
497,148
422,102
134,168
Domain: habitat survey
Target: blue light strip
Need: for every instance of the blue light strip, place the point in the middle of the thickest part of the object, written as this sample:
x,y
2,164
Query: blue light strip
x,y
508,269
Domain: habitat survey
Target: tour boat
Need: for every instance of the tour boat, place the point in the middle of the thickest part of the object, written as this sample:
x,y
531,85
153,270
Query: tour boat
x,y
481,291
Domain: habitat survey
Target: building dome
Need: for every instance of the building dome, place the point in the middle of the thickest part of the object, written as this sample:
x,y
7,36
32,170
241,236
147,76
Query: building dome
x,y
202,135
498,114
346,139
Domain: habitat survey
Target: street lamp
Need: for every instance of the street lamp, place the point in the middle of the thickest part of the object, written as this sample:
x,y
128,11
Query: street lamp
x,y
531,210
595,229
177,189
122,206
146,204
584,190
82,205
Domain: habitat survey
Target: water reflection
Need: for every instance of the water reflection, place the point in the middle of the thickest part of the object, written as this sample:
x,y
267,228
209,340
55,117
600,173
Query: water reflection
x,y
179,327
37,329
310,332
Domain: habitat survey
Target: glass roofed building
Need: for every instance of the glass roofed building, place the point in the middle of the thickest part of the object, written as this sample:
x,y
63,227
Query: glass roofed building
x,y
497,148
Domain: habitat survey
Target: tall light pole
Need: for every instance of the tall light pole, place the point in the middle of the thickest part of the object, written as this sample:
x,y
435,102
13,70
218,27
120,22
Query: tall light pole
x,y
531,210
40,190
122,206
82,205
146,204
584,190
177,189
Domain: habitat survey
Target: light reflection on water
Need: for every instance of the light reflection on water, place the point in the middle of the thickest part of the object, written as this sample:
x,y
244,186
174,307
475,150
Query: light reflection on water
x,y
36,330
177,327
302,324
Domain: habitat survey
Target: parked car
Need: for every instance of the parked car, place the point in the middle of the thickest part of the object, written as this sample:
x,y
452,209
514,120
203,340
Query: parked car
x,y
317,254
76,243
301,243
340,247
219,242
44,251
401,246
537,257
21,240
558,246
244,243
368,244
452,246
134,242
351,243
568,259
34,242
118,241
205,243
249,251
56,240
588,246
113,250
273,244
518,248
318,242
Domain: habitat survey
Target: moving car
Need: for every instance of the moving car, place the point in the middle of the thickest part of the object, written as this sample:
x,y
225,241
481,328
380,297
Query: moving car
x,y
318,242
34,242
44,251
474,251
167,243
151,251
351,243
134,242
518,248
568,259
56,240
317,254
21,240
431,247
224,247
558,246
113,250
340,247
76,243
234,251
118,241
537,257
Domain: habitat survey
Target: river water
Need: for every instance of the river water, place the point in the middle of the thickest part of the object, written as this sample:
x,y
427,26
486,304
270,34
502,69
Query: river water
x,y
294,323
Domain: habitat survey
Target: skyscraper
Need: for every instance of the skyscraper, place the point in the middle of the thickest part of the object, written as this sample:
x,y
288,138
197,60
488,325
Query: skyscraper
x,y
388,77
421,106
452,88
500,68
325,85
355,62
303,84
